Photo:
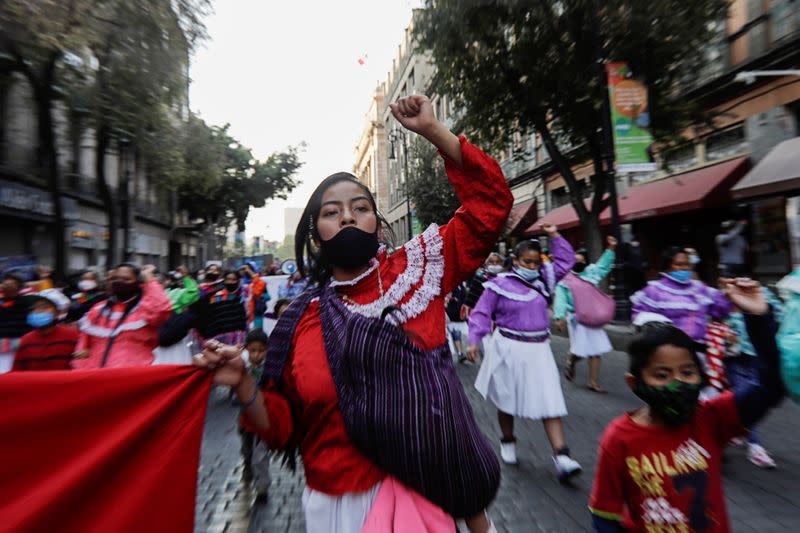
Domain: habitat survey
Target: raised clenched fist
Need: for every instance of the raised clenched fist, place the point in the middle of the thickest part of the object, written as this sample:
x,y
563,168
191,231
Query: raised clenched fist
x,y
415,113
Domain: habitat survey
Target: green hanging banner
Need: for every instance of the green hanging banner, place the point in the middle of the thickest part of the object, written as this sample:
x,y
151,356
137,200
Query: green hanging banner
x,y
630,120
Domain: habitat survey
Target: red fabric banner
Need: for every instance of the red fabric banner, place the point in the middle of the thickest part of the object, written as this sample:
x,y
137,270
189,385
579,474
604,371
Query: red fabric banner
x,y
101,450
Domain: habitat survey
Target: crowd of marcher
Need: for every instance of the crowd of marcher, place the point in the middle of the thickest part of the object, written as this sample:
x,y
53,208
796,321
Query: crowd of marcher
x,y
131,316
331,353
392,446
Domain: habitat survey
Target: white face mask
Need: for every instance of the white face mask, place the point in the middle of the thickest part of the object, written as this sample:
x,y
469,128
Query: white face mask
x,y
494,269
87,285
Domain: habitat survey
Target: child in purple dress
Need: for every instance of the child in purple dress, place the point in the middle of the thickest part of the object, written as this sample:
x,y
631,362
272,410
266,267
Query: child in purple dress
x,y
519,374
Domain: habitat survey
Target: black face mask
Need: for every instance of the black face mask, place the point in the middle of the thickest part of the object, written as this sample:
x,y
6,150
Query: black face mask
x,y
350,248
231,287
124,291
674,403
579,267
211,276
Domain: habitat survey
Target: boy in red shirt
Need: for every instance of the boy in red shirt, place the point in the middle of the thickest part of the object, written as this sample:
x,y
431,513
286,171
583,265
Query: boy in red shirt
x,y
659,468
50,345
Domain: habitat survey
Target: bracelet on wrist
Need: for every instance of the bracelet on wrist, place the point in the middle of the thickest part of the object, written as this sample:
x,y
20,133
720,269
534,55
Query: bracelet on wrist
x,y
251,401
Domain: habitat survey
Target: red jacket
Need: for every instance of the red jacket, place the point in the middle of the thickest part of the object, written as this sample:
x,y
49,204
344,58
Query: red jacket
x,y
136,336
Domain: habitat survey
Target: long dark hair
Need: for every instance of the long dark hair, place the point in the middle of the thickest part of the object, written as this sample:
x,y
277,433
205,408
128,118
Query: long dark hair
x,y
669,255
318,269
528,245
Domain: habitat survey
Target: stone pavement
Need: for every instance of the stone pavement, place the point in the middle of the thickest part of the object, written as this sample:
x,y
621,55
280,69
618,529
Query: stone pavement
x,y
530,498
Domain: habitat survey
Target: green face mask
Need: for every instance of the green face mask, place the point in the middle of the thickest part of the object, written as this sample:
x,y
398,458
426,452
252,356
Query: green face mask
x,y
673,403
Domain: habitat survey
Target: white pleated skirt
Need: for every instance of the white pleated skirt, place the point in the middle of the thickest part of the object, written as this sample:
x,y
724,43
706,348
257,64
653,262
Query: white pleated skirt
x,y
585,341
521,378
179,353
6,362
337,514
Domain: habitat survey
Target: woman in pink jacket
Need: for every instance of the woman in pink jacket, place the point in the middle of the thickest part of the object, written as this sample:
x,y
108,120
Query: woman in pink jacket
x,y
123,331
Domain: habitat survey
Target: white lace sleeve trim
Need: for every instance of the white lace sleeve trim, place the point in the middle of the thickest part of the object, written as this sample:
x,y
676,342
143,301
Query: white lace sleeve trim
x,y
427,265
432,279
517,297
695,291
690,289
639,297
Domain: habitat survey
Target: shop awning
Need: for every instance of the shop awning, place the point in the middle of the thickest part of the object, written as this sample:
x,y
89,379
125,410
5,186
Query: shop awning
x,y
521,217
705,187
778,172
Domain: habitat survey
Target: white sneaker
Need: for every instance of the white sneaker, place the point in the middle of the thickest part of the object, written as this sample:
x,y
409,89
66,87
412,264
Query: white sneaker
x,y
566,467
757,455
508,452
738,441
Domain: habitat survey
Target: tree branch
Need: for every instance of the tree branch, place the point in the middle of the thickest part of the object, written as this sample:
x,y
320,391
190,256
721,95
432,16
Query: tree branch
x,y
563,166
600,184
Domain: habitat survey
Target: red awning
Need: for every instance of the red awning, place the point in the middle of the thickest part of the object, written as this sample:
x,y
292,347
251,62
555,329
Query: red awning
x,y
705,187
522,215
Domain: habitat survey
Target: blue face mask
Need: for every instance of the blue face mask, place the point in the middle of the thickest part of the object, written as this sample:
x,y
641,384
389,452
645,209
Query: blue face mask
x,y
526,273
682,276
40,320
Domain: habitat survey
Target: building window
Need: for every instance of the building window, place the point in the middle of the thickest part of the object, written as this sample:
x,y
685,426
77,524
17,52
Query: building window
x,y
755,8
785,18
714,56
558,198
726,143
681,158
542,155
758,39
411,83
751,40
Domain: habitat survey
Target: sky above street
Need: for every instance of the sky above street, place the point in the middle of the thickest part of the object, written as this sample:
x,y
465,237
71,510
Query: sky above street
x,y
287,72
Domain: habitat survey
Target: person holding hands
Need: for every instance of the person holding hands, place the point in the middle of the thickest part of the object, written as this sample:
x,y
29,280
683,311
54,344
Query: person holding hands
x,y
343,340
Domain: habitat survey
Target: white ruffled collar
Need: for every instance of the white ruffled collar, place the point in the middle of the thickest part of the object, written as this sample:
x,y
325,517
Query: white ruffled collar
x,y
421,264
373,265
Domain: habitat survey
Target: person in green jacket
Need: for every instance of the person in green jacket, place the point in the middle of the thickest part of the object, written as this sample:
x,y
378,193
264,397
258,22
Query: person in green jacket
x,y
175,342
789,333
585,342
183,290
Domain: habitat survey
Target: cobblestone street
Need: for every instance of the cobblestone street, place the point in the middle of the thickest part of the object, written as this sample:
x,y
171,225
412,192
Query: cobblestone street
x,y
530,498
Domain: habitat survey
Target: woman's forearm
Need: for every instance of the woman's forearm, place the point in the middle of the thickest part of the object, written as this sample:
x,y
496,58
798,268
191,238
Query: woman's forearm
x,y
446,141
256,412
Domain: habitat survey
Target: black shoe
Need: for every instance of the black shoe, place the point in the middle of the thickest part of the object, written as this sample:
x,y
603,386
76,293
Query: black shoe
x,y
261,498
462,358
569,369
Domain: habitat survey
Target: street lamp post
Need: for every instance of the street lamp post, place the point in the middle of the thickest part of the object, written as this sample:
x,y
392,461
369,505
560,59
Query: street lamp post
x,y
749,76
125,197
618,289
394,136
